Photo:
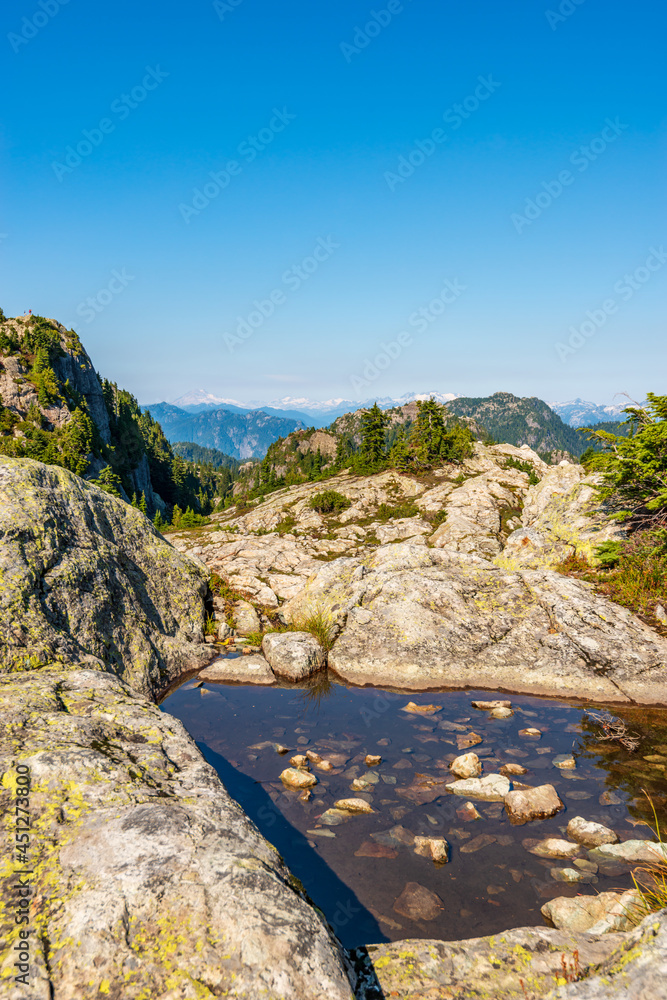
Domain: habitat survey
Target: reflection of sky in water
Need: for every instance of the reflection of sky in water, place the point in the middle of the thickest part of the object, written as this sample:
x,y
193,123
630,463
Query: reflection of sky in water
x,y
356,871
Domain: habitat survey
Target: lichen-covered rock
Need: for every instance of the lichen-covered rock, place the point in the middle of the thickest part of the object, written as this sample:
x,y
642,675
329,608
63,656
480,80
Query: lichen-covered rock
x,y
492,968
415,617
635,970
149,880
84,576
293,655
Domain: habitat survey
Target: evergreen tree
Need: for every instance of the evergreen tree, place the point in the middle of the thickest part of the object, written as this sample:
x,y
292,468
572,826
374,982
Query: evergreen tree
x,y
108,481
77,442
176,517
44,378
400,456
133,501
142,504
429,431
373,424
158,523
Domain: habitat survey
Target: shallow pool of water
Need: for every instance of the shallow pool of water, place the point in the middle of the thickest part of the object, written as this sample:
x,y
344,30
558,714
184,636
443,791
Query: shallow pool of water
x,y
356,871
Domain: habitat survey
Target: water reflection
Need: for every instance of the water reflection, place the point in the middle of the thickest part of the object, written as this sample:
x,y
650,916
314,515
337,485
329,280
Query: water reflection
x,y
362,870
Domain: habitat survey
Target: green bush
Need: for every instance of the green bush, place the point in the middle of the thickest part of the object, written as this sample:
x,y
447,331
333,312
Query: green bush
x,y
385,511
608,553
516,463
329,502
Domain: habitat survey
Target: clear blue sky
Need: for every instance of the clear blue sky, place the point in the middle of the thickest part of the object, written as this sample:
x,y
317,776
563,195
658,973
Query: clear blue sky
x,y
180,87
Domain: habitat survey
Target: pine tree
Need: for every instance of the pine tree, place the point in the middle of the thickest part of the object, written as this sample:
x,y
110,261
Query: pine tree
x,y
134,502
400,456
77,442
158,523
373,424
108,481
142,504
429,431
176,517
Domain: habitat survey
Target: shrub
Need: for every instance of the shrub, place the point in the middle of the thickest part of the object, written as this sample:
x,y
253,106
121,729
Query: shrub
x,y
329,502
516,463
385,511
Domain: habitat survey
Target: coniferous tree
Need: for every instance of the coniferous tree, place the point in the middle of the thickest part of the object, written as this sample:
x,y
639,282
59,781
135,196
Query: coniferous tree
x,y
108,481
142,504
158,523
373,424
429,431
134,502
400,456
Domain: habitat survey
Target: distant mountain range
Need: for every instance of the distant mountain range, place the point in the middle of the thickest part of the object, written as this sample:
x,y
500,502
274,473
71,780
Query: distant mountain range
x,y
314,413
242,434
580,413
246,431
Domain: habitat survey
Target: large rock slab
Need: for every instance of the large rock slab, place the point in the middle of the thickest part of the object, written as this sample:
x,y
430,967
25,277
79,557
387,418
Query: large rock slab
x,y
293,655
149,880
561,516
86,577
432,617
485,967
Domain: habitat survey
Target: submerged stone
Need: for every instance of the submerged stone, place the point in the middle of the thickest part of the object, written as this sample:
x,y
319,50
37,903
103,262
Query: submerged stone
x,y
416,902
466,766
293,777
491,788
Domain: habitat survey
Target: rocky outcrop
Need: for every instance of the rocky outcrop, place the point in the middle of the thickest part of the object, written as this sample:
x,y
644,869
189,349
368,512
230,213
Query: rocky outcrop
x,y
144,878
524,962
561,517
86,578
149,880
473,602
416,617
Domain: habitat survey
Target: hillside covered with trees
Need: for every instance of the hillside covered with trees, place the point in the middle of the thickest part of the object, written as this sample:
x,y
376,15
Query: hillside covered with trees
x,y
55,408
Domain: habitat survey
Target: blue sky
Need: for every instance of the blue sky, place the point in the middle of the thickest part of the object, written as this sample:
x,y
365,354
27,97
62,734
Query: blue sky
x,y
329,211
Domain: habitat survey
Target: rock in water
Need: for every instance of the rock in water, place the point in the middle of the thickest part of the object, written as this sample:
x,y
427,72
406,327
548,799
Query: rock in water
x,y
551,847
435,848
582,913
466,766
492,788
294,777
526,804
416,902
590,834
353,805
238,669
421,709
293,655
